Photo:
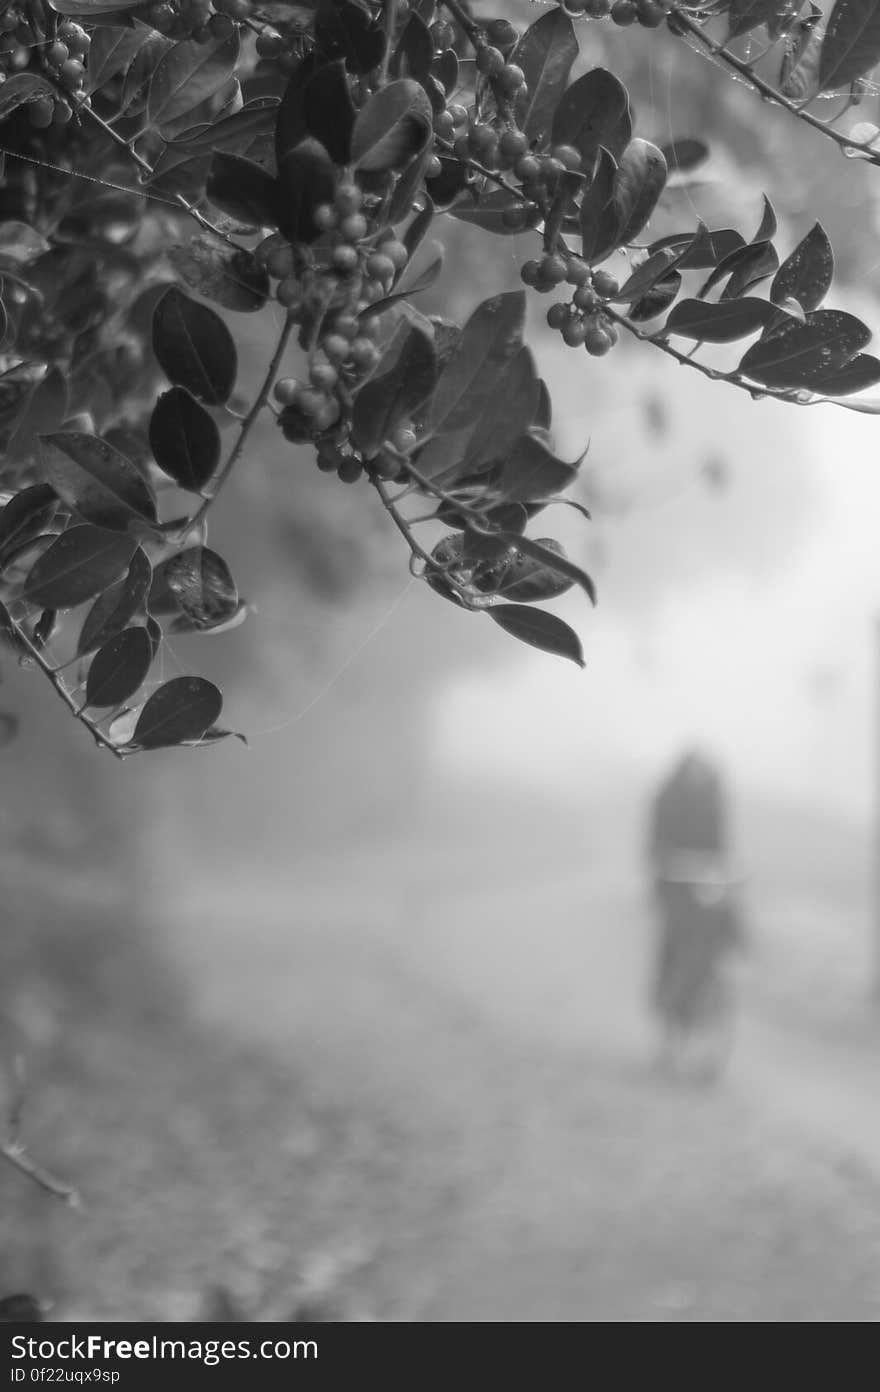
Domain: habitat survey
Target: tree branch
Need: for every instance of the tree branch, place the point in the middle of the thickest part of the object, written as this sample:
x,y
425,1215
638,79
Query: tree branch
x,y
15,1153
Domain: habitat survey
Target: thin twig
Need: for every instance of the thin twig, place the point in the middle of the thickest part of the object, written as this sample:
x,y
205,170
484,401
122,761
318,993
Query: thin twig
x,y
464,20
48,671
15,1152
390,26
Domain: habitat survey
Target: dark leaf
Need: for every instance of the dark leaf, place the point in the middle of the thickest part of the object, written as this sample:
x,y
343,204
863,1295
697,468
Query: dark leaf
x,y
290,123
860,372
707,248
754,258
415,51
719,323
539,629
638,183
79,564
328,111
851,46
531,470
393,127
559,564
113,610
112,49
181,710
592,114
598,213
44,629
346,29
491,338
657,300
445,187
306,179
510,412
800,355
646,276
26,516
98,482
140,72
745,15
231,277
243,190
188,74
21,88
184,439
546,54
445,68
523,580
194,347
806,274
390,397
119,668
45,409
202,586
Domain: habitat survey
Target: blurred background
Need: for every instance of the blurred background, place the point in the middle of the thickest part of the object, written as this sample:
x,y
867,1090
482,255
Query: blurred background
x,y
358,1015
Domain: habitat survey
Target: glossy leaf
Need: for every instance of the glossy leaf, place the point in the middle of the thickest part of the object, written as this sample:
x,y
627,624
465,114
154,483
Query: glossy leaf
x,y
194,347
97,482
520,579
21,88
180,711
531,470
231,277
184,439
851,46
799,355
346,29
79,564
682,156
638,184
44,410
719,323
598,214
860,372
329,112
391,396
113,610
510,412
594,113
745,15
539,629
546,53
492,337
26,515
112,49
243,190
807,273
119,668
188,74
394,125
559,564
202,586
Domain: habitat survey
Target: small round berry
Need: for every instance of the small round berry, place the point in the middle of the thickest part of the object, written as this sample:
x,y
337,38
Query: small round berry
x,y
346,325
353,227
345,258
599,8
530,273
348,199
490,61
325,217
577,272
336,347
513,145
553,268
434,167
323,375
558,315
369,328
63,113
286,391
528,168
72,73
380,267
574,333
568,156
279,262
162,17
387,466
502,34
597,340
444,125
605,284
289,293
443,33
649,14
328,414
511,80
311,401
481,139
57,53
623,13
350,468
585,298
458,113
76,38
404,439
41,112
269,44
329,458
396,252
364,354
221,26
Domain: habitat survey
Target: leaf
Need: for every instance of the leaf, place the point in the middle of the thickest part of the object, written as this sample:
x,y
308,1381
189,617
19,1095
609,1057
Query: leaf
x,y
558,564
491,338
243,190
98,482
799,355
20,243
807,273
799,70
119,668
231,277
290,121
646,276
684,155
510,412
592,114
184,439
719,323
188,74
45,409
140,73
531,470
546,54
346,28
657,300
638,184
194,347
394,125
851,46
21,88
92,9
392,396
523,580
539,629
116,607
598,215
860,372
202,586
26,516
329,112
416,50
78,565
489,212
181,710
746,15
112,49
306,179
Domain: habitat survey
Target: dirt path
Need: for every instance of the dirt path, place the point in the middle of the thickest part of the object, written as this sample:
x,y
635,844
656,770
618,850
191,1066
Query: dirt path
x,y
560,1179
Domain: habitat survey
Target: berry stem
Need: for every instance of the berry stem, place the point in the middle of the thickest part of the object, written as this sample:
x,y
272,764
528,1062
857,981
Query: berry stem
x,y
464,20
390,26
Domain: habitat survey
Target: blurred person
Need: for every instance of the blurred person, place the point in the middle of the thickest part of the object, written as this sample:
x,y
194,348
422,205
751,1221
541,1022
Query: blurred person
x,y
699,916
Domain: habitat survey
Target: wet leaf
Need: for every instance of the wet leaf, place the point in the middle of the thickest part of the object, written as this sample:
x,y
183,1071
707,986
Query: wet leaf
x,y
390,397
807,273
113,610
546,53
184,439
202,586
188,74
491,338
800,355
194,347
26,515
719,323
243,190
231,277
594,114
181,710
78,565
851,46
98,482
393,126
306,179
119,668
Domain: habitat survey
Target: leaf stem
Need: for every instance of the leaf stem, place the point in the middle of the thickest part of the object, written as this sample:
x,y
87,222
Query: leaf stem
x,y
48,671
390,26
464,20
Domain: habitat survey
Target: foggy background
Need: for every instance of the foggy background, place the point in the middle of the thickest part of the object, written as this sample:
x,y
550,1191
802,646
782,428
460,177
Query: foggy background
x,y
359,1013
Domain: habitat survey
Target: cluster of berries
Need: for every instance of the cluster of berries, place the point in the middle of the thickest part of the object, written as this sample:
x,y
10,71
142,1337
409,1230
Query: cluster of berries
x,y
582,321
29,40
202,20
